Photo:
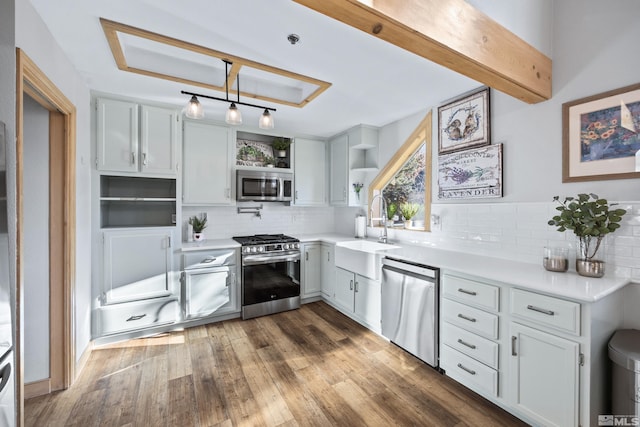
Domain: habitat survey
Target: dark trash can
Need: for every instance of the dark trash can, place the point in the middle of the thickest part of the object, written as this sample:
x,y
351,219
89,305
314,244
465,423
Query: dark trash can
x,y
624,352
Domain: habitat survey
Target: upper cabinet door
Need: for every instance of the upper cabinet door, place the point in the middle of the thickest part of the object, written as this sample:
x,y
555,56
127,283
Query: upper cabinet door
x,y
117,123
207,158
159,137
338,157
310,172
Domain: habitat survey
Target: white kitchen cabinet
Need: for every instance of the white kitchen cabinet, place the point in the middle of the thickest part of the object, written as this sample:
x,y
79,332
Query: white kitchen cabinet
x,y
344,290
338,176
137,265
207,164
359,297
544,376
328,270
353,157
117,142
136,315
137,139
311,273
309,172
159,140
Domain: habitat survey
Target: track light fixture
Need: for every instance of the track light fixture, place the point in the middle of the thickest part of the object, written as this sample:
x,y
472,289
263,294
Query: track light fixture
x,y
194,109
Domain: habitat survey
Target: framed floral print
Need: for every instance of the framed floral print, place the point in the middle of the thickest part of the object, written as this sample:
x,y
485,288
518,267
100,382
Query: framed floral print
x,y
464,123
600,136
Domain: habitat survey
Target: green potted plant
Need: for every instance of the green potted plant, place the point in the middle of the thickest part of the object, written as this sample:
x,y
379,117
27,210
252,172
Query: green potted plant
x,y
590,218
408,211
392,208
280,145
198,224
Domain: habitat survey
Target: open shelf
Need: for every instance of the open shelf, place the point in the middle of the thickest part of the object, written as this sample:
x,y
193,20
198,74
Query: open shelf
x,y
137,202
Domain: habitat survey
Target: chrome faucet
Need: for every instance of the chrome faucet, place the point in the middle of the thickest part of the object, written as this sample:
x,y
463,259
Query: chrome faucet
x,y
383,235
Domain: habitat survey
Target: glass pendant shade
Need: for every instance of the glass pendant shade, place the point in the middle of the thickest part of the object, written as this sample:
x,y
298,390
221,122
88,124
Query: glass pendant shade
x,y
194,109
234,117
266,120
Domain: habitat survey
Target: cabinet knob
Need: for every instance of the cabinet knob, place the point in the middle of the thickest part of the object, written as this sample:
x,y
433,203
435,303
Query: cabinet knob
x,y
133,157
513,346
144,159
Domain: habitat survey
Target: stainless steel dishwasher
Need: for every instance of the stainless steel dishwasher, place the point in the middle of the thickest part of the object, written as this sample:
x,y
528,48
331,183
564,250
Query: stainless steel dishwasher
x,y
410,307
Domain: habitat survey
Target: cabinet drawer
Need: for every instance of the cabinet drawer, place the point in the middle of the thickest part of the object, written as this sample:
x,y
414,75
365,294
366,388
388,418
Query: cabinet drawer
x,y
142,314
469,291
545,310
469,372
481,349
469,318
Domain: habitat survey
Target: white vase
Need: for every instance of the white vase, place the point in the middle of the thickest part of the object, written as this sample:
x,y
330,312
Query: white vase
x,y
198,237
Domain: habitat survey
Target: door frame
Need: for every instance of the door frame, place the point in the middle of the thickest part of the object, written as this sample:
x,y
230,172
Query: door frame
x,y
62,223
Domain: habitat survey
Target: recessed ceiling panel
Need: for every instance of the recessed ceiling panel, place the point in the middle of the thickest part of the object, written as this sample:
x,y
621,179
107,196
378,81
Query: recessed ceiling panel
x,y
143,52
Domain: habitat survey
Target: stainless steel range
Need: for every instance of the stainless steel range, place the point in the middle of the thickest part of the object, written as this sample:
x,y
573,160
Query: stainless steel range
x,y
270,274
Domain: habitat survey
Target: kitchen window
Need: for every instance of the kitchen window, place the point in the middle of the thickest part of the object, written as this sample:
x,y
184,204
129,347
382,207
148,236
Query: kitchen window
x,y
405,182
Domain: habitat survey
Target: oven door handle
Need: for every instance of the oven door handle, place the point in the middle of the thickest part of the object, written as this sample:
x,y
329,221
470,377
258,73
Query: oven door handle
x,y
268,259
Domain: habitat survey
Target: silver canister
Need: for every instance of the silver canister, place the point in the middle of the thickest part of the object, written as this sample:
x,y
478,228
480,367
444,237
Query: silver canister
x,y
556,259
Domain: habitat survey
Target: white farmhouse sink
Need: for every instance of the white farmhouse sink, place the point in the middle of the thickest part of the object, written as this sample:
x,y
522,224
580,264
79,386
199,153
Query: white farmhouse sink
x,y
361,256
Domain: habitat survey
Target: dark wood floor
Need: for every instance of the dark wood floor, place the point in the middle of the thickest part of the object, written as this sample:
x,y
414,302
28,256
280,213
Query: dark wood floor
x,y
308,367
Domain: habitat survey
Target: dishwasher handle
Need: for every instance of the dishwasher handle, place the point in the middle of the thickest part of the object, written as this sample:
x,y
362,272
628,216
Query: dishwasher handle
x,y
427,273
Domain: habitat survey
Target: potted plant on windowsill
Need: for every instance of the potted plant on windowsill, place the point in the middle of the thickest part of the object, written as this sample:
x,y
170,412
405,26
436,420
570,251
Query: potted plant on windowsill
x,y
590,218
280,146
408,211
198,224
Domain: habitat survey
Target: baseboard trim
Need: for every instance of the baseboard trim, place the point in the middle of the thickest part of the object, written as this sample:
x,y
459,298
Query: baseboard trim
x,y
37,388
82,362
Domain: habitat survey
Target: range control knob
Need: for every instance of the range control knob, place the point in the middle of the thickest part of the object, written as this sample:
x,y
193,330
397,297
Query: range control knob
x,y
260,248
296,245
285,246
253,249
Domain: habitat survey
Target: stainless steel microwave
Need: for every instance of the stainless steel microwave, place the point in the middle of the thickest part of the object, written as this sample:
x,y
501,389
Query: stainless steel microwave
x,y
264,186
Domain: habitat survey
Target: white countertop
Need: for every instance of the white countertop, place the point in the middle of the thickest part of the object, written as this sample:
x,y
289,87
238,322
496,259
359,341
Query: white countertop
x,y
519,274
523,275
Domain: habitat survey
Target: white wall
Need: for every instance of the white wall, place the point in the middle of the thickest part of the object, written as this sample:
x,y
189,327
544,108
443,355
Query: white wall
x,y
34,38
36,241
585,62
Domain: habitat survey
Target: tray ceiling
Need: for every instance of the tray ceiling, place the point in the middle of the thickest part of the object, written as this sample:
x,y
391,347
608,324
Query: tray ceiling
x,y
143,52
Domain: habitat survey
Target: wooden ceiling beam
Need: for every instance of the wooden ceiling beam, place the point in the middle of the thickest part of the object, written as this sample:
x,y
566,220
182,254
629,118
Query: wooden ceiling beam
x,y
454,34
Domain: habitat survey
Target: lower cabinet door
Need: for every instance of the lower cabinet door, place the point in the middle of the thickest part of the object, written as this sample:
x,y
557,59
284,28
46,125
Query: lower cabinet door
x,y
368,301
137,315
544,376
208,292
345,281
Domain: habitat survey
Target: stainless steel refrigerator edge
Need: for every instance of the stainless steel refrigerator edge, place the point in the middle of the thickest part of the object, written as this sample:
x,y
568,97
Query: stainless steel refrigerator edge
x,y
410,294
7,376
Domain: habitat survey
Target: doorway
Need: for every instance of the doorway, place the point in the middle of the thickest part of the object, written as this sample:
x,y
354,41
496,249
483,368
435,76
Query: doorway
x,y
31,81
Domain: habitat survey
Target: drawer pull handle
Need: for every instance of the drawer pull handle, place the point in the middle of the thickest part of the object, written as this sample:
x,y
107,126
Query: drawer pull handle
x,y
461,366
470,319
540,310
138,317
464,291
471,346
513,346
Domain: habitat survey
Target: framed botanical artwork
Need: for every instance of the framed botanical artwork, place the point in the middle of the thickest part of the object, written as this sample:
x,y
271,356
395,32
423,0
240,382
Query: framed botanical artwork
x,y
600,136
471,174
254,153
465,122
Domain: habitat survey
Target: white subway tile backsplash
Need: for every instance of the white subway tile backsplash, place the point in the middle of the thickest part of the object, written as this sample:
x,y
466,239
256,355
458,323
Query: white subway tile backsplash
x,y
519,231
